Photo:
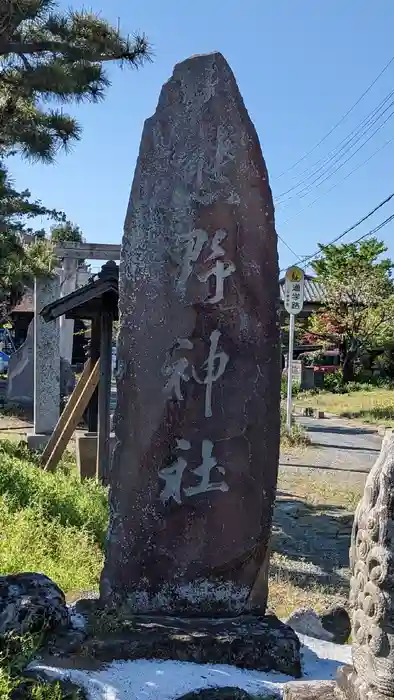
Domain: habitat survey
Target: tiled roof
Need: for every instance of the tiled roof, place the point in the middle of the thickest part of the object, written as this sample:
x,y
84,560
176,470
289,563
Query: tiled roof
x,y
313,290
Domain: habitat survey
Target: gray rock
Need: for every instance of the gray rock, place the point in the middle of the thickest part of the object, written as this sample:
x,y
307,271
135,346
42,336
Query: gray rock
x,y
336,621
307,621
227,693
311,690
20,387
197,422
30,602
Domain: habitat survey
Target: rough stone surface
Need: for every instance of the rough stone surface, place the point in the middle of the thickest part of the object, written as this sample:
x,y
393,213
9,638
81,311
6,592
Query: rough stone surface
x,y
228,693
372,582
30,601
246,641
46,359
197,423
307,621
311,690
20,387
336,621
350,686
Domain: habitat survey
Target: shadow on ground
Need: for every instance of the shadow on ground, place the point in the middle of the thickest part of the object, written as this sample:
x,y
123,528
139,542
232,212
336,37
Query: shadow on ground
x,y
312,543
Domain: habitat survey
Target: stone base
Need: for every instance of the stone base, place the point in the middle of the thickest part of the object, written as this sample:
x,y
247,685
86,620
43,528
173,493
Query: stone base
x,y
260,643
37,441
310,690
86,454
351,687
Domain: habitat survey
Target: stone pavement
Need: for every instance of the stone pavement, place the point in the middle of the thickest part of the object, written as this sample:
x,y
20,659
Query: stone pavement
x,y
337,444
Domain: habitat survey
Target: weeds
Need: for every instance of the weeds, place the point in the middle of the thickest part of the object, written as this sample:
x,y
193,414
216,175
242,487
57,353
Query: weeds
x,y
61,496
17,683
296,437
50,522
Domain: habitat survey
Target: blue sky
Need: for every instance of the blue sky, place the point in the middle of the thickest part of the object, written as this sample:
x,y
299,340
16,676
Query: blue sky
x,y
300,66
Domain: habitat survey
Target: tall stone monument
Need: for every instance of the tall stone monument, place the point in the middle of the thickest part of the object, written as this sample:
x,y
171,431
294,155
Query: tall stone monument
x,y
197,423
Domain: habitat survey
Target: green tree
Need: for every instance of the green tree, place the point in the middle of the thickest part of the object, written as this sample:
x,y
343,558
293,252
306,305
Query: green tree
x,y
66,232
24,251
358,313
47,56
50,55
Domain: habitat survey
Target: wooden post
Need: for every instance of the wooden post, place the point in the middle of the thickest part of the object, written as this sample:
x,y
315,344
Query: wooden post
x,y
104,397
68,410
94,354
65,434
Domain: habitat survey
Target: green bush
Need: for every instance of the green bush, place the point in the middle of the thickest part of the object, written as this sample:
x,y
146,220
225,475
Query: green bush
x,y
29,542
50,523
283,387
57,496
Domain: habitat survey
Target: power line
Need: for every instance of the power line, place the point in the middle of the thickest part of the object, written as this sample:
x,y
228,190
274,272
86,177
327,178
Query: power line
x,y
342,119
287,246
360,165
351,228
376,229
340,151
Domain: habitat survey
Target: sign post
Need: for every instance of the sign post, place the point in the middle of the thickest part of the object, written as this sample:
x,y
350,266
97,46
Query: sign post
x,y
294,301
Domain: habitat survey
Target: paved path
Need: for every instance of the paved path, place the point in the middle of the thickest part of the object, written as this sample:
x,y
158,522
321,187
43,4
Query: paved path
x,y
337,445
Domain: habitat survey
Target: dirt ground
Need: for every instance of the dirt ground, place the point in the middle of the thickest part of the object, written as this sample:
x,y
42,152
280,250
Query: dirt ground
x,y
311,537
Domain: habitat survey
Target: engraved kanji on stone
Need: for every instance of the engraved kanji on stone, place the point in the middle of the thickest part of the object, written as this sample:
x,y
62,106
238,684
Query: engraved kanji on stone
x,y
215,366
204,472
176,371
220,271
217,250
195,242
172,475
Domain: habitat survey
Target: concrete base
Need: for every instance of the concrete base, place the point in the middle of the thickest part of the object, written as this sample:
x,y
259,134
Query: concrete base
x,y
86,454
37,441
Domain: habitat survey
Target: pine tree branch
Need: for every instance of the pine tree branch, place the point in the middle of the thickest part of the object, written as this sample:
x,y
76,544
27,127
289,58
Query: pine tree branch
x,y
134,56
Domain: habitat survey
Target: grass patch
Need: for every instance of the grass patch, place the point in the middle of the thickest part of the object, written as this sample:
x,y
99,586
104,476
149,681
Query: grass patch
x,y
51,523
286,595
297,437
316,489
57,496
373,405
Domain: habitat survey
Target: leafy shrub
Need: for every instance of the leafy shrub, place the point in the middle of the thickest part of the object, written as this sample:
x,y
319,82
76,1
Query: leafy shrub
x,y
50,523
59,495
29,542
283,387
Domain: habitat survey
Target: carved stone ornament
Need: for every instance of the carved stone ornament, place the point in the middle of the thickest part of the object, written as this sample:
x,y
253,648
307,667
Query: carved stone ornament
x,y
372,584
